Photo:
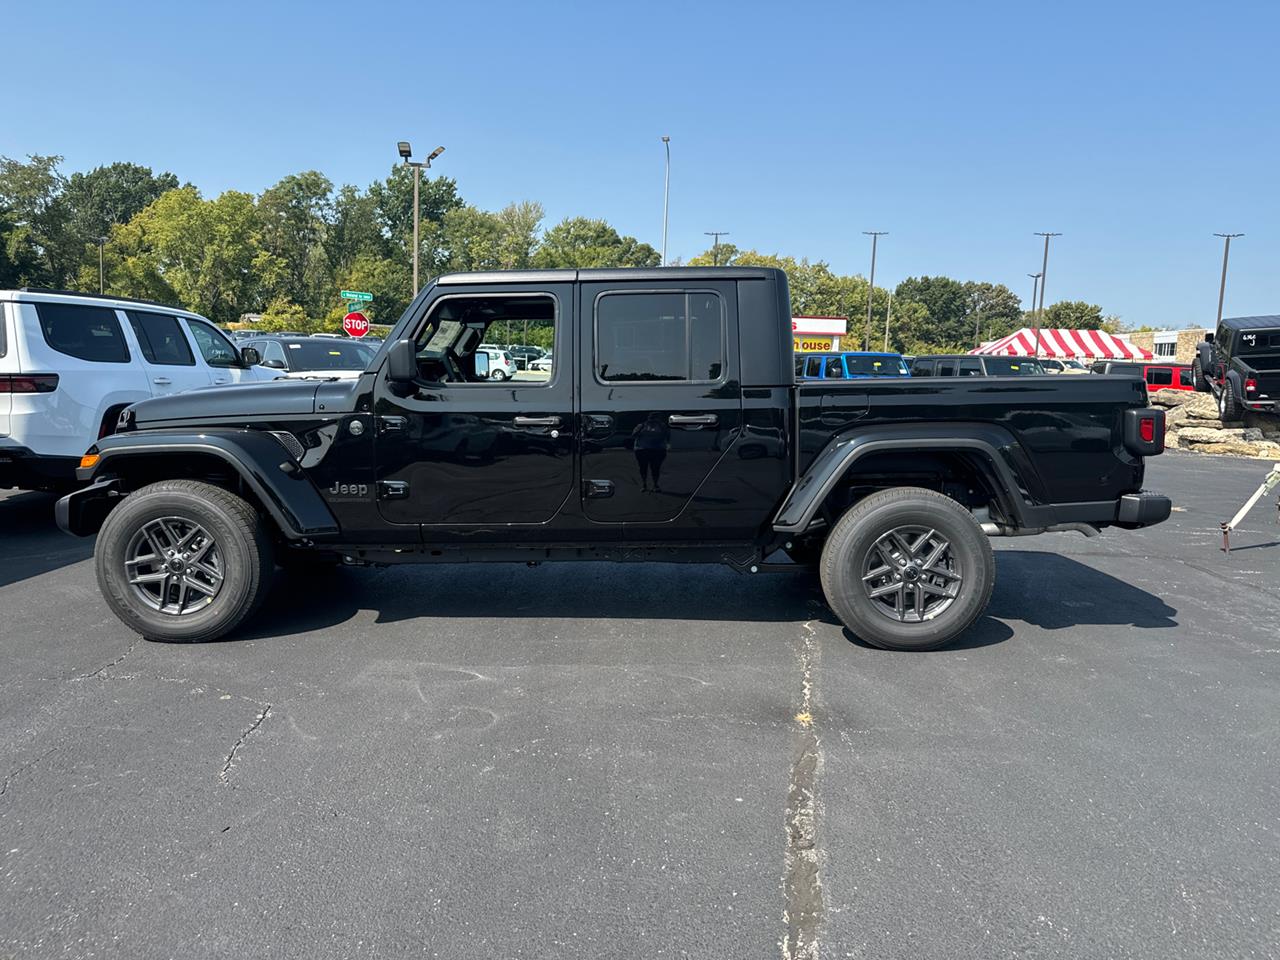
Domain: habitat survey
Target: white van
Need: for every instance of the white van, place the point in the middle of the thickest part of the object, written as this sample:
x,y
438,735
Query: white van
x,y
70,362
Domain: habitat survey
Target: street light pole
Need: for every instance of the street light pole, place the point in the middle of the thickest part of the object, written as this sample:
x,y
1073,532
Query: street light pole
x,y
102,242
887,314
871,285
1044,273
1035,285
405,153
666,197
1222,287
715,246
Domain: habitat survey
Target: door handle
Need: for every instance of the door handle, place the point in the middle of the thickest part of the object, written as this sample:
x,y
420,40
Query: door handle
x,y
598,423
537,421
162,381
221,379
696,421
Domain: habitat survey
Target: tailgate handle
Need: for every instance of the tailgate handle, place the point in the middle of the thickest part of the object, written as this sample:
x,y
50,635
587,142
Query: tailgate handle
x,y
695,422
537,421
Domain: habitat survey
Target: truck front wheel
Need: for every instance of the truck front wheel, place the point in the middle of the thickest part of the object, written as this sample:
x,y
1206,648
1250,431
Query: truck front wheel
x,y
182,560
907,569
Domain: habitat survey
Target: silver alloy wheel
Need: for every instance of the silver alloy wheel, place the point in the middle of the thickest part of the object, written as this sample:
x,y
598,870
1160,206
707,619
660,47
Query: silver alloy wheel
x,y
911,574
174,566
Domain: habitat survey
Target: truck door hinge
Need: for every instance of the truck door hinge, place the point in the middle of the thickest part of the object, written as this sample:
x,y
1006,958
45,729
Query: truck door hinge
x,y
393,490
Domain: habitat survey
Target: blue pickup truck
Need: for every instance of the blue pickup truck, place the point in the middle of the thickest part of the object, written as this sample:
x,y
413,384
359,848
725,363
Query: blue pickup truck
x,y
855,365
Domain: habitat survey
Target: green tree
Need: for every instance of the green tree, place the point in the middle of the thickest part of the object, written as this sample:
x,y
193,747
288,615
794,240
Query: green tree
x,y
105,196
393,198
32,192
294,216
20,262
583,242
1073,314
992,309
284,315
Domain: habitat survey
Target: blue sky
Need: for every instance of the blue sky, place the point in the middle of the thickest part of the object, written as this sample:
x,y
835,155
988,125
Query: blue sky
x,y
1136,129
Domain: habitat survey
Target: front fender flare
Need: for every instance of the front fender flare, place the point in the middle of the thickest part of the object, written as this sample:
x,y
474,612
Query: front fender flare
x,y
844,451
258,458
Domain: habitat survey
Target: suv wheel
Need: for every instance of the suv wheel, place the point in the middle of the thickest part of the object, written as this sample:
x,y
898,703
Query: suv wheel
x,y
498,374
182,560
1197,376
1228,403
907,569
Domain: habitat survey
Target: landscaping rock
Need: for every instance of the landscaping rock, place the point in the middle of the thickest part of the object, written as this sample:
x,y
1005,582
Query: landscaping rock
x,y
1198,435
1171,398
1201,406
1262,451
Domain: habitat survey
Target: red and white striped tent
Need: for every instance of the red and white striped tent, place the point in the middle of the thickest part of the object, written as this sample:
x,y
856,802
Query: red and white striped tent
x,y
1064,345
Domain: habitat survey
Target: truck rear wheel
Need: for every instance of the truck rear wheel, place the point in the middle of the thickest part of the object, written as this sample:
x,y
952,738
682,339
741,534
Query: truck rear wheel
x,y
182,560
907,569
1229,408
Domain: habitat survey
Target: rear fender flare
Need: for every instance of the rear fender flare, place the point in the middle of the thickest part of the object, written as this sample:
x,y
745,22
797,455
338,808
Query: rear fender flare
x,y
258,458
840,457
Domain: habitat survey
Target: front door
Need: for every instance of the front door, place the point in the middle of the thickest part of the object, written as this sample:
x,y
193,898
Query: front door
x,y
660,400
458,449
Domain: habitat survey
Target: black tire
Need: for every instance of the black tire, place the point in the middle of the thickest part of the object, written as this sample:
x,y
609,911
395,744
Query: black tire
x,y
230,542
1228,403
1197,376
964,572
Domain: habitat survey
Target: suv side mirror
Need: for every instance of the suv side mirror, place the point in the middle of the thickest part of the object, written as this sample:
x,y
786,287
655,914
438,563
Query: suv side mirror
x,y
482,365
250,357
402,362
1208,338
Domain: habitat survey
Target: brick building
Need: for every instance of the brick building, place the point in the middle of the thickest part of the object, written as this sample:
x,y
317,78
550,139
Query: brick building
x,y
1178,346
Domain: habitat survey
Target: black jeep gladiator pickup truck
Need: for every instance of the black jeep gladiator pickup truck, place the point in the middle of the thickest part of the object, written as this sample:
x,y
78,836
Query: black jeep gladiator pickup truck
x,y
669,428
1239,364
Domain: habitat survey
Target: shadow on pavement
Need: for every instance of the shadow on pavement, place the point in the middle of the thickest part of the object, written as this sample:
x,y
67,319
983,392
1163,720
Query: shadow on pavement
x,y
31,543
596,590
1053,592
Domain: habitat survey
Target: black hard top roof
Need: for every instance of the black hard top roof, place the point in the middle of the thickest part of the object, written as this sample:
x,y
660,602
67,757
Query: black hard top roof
x,y
1252,323
620,273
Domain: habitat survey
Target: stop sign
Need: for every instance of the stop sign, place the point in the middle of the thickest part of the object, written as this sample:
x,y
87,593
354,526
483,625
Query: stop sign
x,y
355,323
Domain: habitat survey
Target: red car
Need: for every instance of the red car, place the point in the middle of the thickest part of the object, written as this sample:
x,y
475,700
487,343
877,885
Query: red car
x,y
1159,376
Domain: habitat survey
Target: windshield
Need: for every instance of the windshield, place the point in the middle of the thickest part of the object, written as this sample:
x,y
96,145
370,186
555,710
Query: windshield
x,y
328,355
1012,367
875,364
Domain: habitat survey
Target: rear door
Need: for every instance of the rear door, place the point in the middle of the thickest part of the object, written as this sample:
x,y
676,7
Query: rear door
x,y
166,353
660,399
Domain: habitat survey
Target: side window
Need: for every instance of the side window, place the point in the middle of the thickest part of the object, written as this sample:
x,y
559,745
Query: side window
x,y
1185,378
922,368
458,325
1222,341
971,368
1159,376
834,368
213,346
274,351
799,360
659,336
815,367
946,368
161,339
88,333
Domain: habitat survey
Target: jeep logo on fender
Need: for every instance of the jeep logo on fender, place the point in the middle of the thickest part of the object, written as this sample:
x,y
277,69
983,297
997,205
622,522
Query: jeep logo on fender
x,y
349,490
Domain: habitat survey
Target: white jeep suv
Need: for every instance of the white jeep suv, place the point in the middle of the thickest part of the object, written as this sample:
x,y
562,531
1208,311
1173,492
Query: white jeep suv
x,y
70,362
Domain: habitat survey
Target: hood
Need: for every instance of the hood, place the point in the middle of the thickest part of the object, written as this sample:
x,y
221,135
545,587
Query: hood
x,y
269,398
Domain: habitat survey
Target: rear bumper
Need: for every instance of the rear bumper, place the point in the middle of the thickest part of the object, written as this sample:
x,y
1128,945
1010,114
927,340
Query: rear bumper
x,y
24,469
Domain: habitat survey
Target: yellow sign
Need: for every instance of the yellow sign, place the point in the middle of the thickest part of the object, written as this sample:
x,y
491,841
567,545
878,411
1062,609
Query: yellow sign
x,y
812,344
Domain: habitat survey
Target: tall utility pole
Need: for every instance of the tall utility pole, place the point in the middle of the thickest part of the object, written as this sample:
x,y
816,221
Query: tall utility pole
x,y
977,320
871,285
1035,285
666,196
1222,287
887,314
102,242
1044,273
405,153
715,246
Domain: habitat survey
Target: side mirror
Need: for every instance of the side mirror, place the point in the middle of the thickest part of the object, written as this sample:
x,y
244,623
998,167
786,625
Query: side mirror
x,y
274,364
250,357
482,365
1208,338
402,362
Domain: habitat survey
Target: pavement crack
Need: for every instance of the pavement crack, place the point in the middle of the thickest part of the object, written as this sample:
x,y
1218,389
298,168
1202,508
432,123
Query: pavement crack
x,y
225,775
14,774
802,885
107,666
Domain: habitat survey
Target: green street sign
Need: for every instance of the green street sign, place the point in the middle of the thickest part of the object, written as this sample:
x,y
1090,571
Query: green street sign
x,y
355,295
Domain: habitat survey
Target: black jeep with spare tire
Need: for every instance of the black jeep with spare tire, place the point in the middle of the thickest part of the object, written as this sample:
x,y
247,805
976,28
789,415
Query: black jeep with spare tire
x,y
670,428
1239,363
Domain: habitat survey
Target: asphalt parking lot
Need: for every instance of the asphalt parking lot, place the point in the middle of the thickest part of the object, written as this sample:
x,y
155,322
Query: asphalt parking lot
x,y
655,761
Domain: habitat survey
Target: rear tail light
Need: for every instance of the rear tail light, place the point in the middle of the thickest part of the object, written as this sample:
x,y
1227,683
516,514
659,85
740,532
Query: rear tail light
x,y
1147,429
28,382
1251,385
